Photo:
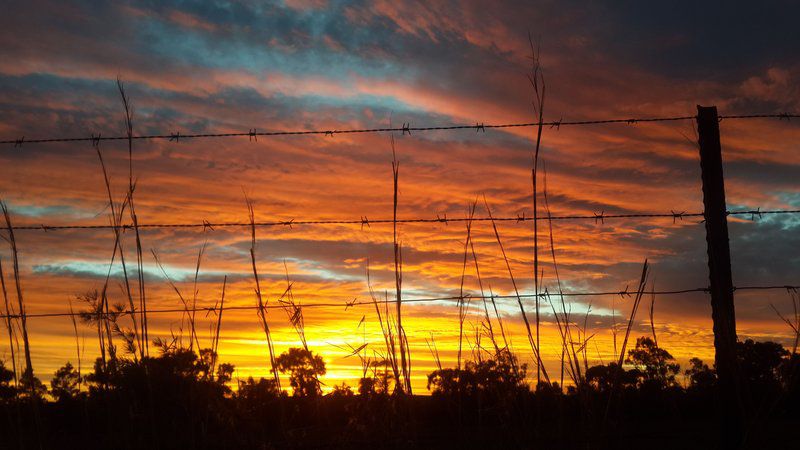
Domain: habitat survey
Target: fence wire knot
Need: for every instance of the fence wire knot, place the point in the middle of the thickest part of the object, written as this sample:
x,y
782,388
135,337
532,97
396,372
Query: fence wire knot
x,y
18,142
784,115
557,124
45,228
479,127
175,137
252,135
96,140
288,223
599,217
442,219
632,121
207,225
364,221
677,215
407,128
624,293
330,133
755,213
521,218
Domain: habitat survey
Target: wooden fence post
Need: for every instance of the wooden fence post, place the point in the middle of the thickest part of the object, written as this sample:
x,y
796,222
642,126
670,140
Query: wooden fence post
x,y
719,266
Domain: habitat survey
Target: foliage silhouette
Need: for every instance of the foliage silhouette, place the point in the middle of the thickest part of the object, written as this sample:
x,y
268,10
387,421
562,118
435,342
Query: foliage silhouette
x,y
65,384
7,391
653,363
174,400
499,376
701,377
304,370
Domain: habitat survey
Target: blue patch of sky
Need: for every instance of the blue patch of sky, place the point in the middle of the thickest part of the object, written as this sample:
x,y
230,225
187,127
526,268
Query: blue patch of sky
x,y
40,211
316,269
42,84
785,221
100,269
201,48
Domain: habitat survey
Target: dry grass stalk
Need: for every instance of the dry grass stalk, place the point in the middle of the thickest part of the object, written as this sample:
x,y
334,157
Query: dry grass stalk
x,y
636,300
294,311
462,306
794,321
9,326
536,78
77,340
386,330
95,316
215,339
200,254
20,300
434,351
585,339
143,334
506,342
116,212
652,311
531,340
487,317
405,359
186,308
262,311
567,340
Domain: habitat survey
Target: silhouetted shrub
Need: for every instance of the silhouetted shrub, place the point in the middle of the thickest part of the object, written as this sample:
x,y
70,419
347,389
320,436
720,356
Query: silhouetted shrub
x,y
65,384
653,363
304,370
502,375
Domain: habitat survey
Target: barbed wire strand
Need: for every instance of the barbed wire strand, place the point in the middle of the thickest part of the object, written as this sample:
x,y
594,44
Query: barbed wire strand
x,y
354,303
364,221
253,133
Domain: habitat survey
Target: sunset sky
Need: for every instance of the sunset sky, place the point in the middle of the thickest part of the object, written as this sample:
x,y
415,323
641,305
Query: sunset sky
x,y
208,67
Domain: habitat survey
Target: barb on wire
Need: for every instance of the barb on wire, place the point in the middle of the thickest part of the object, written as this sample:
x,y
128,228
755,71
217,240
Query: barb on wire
x,y
353,303
253,134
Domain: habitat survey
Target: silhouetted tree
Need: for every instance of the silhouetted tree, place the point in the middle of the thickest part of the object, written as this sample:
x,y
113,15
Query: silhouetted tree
x,y
605,377
654,363
760,363
225,373
304,370
31,386
701,377
380,381
496,376
253,395
7,391
65,384
342,390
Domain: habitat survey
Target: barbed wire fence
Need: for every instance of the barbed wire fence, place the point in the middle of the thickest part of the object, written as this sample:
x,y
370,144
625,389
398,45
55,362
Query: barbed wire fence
x,y
254,134
364,221
347,305
406,129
